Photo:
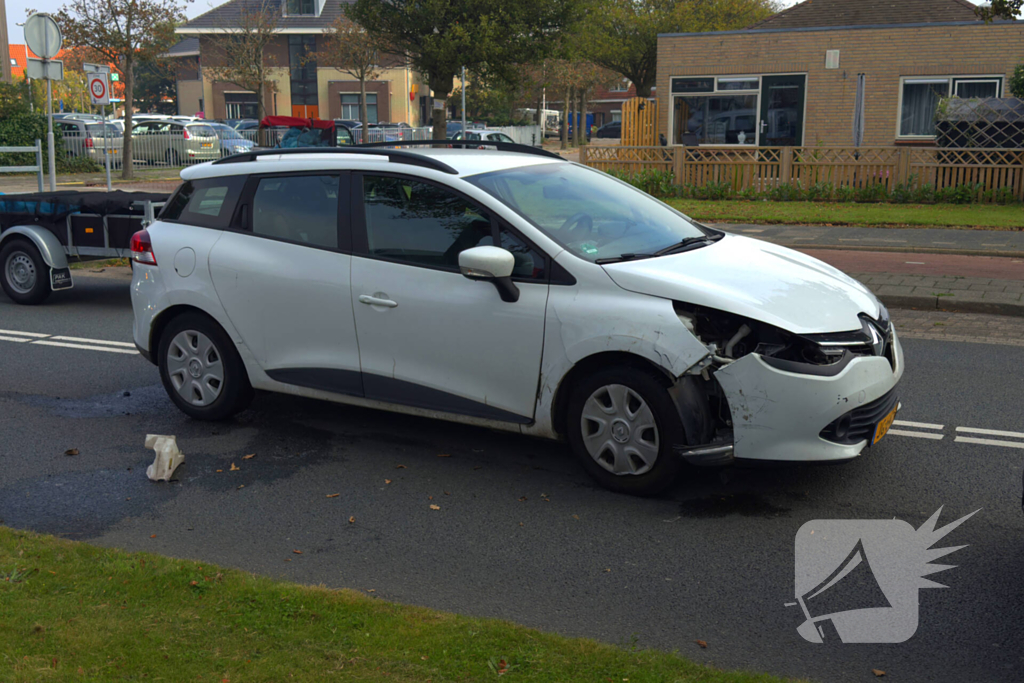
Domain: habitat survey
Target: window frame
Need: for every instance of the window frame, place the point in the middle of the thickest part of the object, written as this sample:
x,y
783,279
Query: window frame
x,y
360,241
244,222
951,83
717,91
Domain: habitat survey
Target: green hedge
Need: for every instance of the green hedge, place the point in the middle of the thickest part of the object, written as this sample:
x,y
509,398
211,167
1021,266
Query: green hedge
x,y
22,130
662,184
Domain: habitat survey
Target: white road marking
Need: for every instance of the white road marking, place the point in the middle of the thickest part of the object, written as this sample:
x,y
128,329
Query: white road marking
x,y
15,339
921,425
915,263
24,334
989,442
990,432
66,345
917,435
95,341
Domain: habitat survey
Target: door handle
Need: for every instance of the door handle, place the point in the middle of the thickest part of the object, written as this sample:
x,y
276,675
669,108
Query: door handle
x,y
376,301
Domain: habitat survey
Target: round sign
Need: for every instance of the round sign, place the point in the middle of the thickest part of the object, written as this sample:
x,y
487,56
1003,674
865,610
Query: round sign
x,y
43,36
98,88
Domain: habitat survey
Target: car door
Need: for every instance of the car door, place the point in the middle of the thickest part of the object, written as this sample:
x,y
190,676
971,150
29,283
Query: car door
x,y
283,279
429,337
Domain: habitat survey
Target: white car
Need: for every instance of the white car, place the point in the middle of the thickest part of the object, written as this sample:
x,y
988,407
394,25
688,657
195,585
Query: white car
x,y
513,290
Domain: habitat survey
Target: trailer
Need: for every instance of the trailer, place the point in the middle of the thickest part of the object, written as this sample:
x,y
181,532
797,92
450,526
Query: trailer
x,y
41,231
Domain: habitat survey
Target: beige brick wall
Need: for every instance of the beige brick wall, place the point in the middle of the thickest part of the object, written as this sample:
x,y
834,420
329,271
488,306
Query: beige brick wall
x,y
884,55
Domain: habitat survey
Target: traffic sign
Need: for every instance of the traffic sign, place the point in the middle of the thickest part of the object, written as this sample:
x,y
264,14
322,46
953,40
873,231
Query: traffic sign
x,y
95,68
99,91
43,36
48,69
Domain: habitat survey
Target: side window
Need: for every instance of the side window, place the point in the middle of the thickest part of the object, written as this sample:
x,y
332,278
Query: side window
x,y
530,264
207,203
420,223
300,209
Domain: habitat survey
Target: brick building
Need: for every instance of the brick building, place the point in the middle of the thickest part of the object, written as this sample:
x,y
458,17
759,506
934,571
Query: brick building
x,y
801,76
299,86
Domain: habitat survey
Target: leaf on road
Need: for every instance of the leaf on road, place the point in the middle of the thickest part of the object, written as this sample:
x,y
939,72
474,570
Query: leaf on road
x,y
703,644
878,672
352,520
234,468
249,457
444,455
297,552
387,481
71,451
400,467
220,470
435,507
333,495
153,536
522,499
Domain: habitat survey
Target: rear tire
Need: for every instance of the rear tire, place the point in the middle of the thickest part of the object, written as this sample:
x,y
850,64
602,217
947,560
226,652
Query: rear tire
x,y
25,276
624,427
201,369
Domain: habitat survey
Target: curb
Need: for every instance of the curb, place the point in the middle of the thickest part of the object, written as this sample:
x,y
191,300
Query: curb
x,y
950,304
909,250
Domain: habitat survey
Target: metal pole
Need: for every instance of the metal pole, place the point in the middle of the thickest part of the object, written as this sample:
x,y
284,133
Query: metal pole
x,y
49,133
106,151
463,103
39,163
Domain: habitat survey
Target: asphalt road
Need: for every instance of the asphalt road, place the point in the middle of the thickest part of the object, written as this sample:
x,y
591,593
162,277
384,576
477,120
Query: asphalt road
x,y
522,533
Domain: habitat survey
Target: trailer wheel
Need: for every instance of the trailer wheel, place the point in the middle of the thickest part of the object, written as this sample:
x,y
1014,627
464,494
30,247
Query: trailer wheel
x,y
25,276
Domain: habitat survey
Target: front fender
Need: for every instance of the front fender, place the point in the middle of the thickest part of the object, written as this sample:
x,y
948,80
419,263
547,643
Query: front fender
x,y
45,241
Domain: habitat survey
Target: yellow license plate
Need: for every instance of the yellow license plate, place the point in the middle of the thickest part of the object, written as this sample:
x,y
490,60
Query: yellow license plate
x,y
883,426
207,144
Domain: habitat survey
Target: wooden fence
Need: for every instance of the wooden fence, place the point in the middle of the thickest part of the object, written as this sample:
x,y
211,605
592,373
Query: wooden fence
x,y
640,122
763,168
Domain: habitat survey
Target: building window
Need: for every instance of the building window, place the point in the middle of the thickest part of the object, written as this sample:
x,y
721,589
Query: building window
x,y
715,111
350,107
620,86
241,105
919,99
617,115
302,69
14,62
301,7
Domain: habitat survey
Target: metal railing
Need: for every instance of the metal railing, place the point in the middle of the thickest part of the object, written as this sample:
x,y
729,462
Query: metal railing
x,y
38,168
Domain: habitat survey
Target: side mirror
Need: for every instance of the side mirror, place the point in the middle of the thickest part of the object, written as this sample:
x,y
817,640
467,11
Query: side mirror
x,y
494,264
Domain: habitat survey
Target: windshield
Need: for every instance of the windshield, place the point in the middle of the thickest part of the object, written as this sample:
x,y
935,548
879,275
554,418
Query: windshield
x,y
201,131
590,213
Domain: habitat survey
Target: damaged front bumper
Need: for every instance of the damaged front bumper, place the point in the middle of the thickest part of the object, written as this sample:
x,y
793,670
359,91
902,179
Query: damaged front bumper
x,y
780,413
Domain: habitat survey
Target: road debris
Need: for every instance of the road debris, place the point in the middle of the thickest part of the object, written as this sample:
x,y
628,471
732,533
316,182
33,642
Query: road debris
x,y
167,459
71,451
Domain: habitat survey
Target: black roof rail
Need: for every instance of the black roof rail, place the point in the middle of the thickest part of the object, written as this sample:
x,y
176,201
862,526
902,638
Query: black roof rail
x,y
394,155
473,144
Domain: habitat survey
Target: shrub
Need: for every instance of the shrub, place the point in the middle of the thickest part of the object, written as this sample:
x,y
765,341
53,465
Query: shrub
x,y
22,130
1017,82
874,192
786,192
845,193
653,182
1004,195
821,192
960,194
749,194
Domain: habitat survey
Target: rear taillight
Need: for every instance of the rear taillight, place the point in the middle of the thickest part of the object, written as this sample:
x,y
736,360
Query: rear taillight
x,y
142,248
88,143
187,136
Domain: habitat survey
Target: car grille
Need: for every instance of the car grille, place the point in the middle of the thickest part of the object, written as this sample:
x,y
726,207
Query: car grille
x,y
859,424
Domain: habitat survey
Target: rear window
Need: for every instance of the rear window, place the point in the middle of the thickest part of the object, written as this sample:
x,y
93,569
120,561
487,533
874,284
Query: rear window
x,y
202,131
96,129
207,203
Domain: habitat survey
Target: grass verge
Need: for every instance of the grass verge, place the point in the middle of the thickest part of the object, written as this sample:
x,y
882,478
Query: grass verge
x,y
75,612
104,263
990,216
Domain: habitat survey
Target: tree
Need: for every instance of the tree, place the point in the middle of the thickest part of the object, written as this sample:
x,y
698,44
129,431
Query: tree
x,y
624,33
240,52
1000,9
126,33
439,37
349,48
155,87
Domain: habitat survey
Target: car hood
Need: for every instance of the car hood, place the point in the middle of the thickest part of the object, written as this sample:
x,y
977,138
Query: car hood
x,y
754,279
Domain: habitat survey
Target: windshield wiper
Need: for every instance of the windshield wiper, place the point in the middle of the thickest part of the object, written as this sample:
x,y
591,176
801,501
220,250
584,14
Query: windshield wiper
x,y
622,257
684,244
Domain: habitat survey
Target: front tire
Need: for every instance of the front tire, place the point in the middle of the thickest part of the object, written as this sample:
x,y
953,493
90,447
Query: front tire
x,y
624,426
201,370
25,276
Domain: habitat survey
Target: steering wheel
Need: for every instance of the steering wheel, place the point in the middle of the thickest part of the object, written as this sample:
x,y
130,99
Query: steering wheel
x,y
576,221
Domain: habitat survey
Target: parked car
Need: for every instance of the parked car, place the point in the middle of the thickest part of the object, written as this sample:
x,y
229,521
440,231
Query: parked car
x,y
610,130
173,142
491,135
376,133
247,124
77,115
453,127
85,138
231,142
513,290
